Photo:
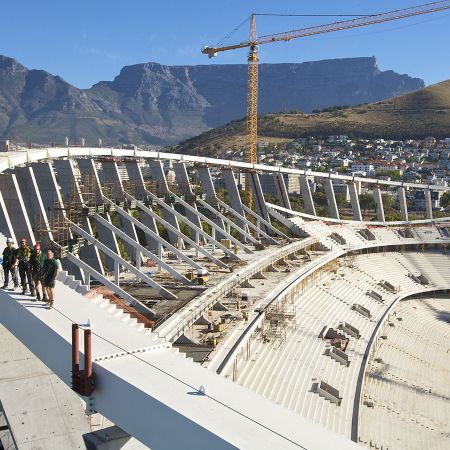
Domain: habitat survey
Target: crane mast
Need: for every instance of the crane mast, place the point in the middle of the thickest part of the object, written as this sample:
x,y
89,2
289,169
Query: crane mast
x,y
252,106
253,60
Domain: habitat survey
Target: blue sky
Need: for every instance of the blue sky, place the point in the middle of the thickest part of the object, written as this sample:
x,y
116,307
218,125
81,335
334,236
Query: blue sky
x,y
88,41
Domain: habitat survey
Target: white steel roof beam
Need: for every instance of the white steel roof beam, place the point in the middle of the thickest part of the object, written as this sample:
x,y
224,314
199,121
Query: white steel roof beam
x,y
245,221
88,270
125,264
229,222
214,225
286,222
266,168
142,249
267,224
153,235
191,225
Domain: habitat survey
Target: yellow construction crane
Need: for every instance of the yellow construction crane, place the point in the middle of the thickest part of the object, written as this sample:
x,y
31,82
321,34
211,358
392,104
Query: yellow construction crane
x,y
254,41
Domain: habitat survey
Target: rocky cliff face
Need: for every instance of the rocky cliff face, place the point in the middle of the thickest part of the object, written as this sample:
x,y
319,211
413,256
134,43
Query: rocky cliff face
x,y
151,103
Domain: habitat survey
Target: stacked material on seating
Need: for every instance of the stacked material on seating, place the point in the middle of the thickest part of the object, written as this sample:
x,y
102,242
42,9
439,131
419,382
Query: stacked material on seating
x,y
285,372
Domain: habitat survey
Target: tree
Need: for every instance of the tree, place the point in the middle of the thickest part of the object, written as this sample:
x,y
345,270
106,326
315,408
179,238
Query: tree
x,y
445,200
387,201
320,199
366,201
394,175
341,200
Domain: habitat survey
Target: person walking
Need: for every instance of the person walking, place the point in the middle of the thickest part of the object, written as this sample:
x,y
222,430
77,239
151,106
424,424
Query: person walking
x,y
9,263
23,258
37,260
49,273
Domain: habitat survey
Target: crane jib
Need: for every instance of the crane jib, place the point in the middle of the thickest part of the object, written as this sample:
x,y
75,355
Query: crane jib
x,y
336,26
254,42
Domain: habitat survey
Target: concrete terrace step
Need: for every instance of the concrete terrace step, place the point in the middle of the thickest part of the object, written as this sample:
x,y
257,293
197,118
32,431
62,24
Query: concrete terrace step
x,y
117,312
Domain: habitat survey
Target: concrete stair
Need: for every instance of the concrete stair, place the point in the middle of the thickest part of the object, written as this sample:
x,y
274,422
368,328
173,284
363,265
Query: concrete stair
x,y
104,303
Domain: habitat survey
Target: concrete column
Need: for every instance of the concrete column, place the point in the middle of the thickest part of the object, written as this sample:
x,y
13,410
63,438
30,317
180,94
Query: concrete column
x,y
159,177
136,177
378,204
150,223
89,253
89,177
67,180
305,191
428,206
281,190
182,180
112,179
354,199
33,204
71,192
6,227
235,198
259,201
108,238
162,189
210,192
403,205
331,199
207,184
15,208
51,199
48,188
116,271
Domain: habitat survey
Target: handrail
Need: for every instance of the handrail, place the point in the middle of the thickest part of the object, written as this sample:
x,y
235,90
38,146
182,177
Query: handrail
x,y
12,159
188,314
278,296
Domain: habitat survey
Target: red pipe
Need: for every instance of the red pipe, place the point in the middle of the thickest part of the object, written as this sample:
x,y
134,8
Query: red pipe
x,y
88,361
75,353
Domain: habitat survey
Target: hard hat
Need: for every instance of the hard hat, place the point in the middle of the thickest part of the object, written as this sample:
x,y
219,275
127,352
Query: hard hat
x,y
9,241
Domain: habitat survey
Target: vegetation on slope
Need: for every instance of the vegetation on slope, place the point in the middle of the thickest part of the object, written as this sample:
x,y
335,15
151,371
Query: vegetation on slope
x,y
416,115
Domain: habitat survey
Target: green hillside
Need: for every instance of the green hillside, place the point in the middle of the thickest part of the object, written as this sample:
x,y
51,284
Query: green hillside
x,y
416,115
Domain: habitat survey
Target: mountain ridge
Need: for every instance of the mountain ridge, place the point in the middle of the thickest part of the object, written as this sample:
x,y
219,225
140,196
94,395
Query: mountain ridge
x,y
151,103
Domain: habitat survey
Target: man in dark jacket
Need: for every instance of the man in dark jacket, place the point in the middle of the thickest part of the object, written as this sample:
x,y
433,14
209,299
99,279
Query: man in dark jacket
x,y
9,263
23,258
49,273
37,260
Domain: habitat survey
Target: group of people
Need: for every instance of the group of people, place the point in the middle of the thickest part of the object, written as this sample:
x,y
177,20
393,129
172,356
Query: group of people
x,y
37,270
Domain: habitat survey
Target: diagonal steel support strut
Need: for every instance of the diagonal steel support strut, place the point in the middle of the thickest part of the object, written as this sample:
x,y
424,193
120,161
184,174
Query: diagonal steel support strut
x,y
155,236
125,264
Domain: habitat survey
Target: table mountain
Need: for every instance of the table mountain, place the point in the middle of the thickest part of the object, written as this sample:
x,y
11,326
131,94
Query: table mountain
x,y
155,104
